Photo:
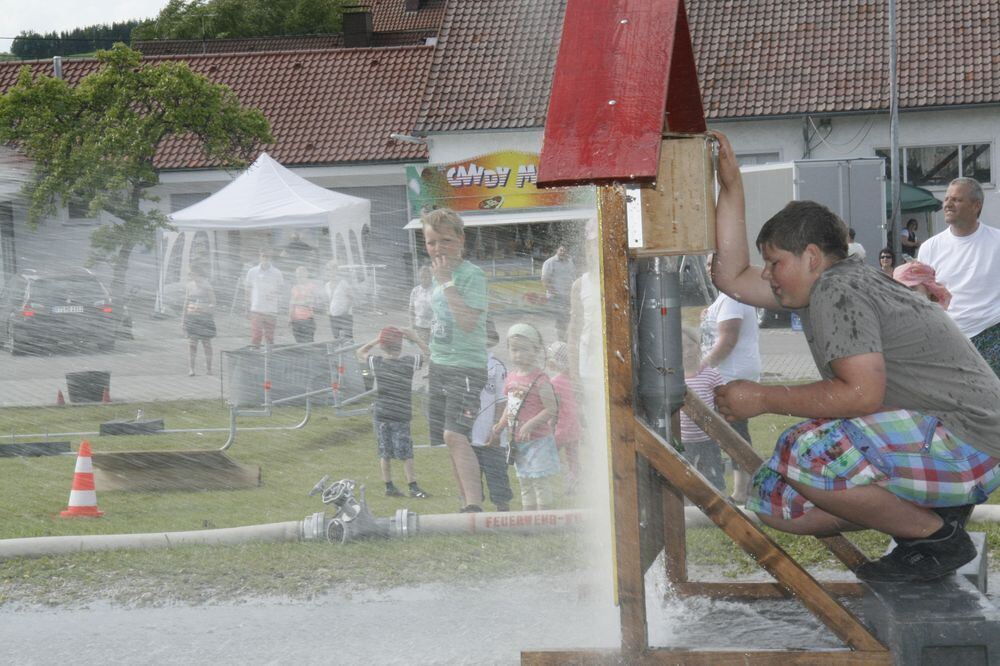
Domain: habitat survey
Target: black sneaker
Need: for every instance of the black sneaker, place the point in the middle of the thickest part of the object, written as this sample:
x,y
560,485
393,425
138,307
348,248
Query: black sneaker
x,y
472,508
393,491
418,492
955,514
920,560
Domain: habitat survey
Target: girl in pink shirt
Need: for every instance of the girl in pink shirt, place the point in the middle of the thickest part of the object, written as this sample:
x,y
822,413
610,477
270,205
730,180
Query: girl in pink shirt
x,y
530,412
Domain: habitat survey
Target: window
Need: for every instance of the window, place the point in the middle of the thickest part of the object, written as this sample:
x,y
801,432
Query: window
x,y
182,201
930,166
750,159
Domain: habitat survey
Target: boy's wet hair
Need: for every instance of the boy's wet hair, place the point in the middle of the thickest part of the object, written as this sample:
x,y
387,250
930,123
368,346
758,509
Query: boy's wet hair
x,y
443,218
390,339
803,223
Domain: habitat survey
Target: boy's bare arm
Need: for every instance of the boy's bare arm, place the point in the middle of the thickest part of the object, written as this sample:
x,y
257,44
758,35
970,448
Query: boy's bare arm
x,y
857,389
364,350
412,336
731,270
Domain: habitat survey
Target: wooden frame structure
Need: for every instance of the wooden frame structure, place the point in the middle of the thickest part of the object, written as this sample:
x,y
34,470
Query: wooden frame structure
x,y
632,441
624,76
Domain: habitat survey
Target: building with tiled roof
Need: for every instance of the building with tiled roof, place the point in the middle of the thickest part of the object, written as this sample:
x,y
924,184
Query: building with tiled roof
x,y
405,15
331,114
781,57
325,107
786,79
493,66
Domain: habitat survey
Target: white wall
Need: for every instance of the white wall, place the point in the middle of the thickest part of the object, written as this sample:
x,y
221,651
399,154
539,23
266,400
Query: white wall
x,y
458,146
859,136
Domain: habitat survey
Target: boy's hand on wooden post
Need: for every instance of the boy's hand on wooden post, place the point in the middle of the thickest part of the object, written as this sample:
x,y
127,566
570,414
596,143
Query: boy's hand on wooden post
x,y
739,400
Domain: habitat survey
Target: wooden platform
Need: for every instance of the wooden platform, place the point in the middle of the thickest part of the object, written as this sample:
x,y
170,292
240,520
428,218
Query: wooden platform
x,y
159,471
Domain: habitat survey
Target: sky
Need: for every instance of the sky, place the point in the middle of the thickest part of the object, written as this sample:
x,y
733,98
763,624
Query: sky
x,y
55,15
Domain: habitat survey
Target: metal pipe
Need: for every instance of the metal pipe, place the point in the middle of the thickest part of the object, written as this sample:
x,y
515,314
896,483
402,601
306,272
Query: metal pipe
x,y
316,527
66,545
658,340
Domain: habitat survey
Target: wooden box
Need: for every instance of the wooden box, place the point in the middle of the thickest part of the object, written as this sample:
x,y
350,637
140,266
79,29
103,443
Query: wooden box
x,y
676,214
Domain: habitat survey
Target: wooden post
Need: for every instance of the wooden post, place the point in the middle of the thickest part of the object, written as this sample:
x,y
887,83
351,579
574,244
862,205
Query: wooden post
x,y
621,419
755,542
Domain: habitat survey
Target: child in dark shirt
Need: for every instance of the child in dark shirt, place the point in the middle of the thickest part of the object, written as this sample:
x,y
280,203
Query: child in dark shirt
x,y
393,410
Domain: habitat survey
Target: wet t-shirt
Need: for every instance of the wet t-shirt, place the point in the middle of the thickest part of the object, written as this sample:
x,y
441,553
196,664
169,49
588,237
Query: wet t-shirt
x,y
930,366
449,344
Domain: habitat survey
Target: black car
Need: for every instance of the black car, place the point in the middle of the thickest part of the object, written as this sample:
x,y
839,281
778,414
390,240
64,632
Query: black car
x,y
767,318
70,310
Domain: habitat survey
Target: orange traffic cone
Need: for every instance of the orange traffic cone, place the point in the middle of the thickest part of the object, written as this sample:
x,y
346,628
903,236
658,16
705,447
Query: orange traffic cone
x,y
106,396
83,497
60,400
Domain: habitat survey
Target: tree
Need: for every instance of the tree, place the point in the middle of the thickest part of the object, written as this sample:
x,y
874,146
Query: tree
x,y
217,19
31,45
94,144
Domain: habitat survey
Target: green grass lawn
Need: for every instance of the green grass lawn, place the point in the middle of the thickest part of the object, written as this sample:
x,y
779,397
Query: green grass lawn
x,y
34,490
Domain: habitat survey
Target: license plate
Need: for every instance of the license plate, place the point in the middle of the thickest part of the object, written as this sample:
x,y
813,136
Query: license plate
x,y
60,309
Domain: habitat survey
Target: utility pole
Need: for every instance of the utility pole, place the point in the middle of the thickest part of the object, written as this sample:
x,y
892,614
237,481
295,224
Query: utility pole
x,y
895,220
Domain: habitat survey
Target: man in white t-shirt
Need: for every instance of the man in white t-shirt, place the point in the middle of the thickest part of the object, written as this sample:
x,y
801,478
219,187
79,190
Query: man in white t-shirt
x,y
853,246
730,343
966,259
558,274
265,287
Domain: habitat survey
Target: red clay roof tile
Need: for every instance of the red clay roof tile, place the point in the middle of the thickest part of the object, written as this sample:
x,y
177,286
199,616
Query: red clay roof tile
x,y
325,107
493,65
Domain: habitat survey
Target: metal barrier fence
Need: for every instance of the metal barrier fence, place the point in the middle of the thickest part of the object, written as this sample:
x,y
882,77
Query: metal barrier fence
x,y
325,373
322,372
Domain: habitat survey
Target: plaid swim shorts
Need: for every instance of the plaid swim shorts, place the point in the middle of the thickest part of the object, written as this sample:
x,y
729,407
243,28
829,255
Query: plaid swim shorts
x,y
909,454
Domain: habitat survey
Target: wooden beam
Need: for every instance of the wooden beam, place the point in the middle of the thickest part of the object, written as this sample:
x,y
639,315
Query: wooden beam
x,y
674,529
754,541
621,419
744,456
708,658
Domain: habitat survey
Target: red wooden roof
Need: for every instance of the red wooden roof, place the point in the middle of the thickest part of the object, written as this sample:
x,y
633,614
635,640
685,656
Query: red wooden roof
x,y
625,71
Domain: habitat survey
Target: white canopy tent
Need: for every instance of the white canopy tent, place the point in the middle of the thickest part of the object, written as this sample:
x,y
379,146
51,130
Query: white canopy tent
x,y
264,197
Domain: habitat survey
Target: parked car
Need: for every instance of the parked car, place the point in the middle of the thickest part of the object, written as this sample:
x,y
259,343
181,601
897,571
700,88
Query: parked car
x,y
48,312
767,318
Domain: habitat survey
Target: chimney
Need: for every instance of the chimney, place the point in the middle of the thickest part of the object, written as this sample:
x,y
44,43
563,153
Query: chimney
x,y
412,5
57,67
358,27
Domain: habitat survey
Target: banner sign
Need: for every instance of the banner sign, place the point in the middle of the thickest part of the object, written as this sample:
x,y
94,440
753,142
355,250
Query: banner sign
x,y
497,181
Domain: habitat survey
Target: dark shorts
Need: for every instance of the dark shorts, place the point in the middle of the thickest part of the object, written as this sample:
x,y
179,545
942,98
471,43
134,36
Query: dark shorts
x,y
304,329
987,344
453,399
199,326
394,439
342,327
